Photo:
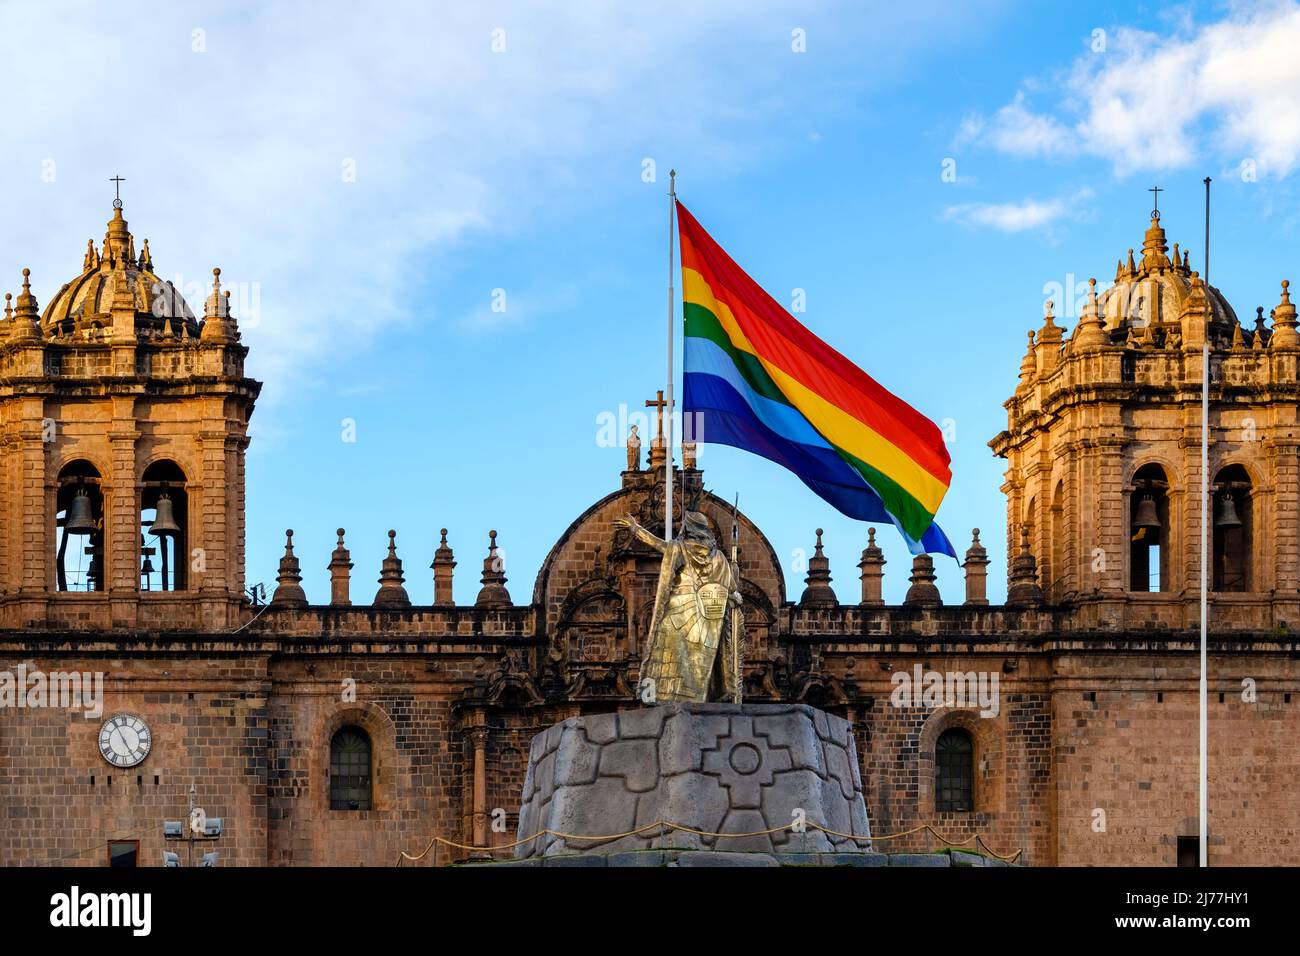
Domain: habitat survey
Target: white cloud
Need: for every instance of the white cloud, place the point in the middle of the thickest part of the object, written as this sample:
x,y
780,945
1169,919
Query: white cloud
x,y
1016,130
1229,90
1022,215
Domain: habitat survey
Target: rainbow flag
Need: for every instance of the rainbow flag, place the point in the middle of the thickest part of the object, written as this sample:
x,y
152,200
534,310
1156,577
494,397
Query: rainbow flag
x,y
757,379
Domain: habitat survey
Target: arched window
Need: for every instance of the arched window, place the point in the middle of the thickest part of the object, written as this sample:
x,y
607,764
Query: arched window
x,y
1148,530
1056,569
164,518
350,769
954,771
1233,529
79,527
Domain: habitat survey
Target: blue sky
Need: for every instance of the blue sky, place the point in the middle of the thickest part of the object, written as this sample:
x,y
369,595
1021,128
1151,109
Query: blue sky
x,y
366,180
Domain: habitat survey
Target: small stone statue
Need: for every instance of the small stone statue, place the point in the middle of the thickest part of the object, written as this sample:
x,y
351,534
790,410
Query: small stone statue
x,y
633,450
688,455
690,623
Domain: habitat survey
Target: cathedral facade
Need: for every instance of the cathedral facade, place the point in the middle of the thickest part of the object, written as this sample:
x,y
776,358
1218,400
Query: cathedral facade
x,y
350,731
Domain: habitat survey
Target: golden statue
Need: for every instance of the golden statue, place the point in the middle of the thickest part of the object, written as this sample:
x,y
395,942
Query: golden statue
x,y
691,624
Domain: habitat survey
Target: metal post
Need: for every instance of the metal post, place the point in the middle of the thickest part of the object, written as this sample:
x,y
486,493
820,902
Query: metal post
x,y
668,430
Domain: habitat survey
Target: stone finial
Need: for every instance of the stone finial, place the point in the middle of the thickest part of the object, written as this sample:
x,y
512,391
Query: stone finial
x,y
1023,589
1195,315
1238,337
923,592
117,240
1154,248
493,592
633,450
977,570
340,568
1260,337
1091,330
1284,335
218,324
146,258
26,314
444,563
91,260
1050,332
1050,337
7,324
1029,364
818,591
289,592
391,594
1131,269
872,567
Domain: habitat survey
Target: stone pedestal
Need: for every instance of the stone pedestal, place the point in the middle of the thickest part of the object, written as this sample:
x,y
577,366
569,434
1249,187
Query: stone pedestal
x,y
718,768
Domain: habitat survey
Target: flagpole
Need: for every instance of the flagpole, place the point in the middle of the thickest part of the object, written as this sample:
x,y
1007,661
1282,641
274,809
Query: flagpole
x,y
668,427
1205,546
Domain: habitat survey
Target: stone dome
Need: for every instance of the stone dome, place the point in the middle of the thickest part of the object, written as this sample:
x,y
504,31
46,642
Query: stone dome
x,y
83,304
1155,290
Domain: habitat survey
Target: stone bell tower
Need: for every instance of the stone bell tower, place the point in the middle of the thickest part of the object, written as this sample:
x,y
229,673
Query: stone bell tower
x,y
1103,450
123,428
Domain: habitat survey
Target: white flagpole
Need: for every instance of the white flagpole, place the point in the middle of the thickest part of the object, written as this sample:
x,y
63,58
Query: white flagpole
x,y
1205,539
668,409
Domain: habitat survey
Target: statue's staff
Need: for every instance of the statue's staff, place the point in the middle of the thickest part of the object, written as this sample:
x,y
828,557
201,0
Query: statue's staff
x,y
737,615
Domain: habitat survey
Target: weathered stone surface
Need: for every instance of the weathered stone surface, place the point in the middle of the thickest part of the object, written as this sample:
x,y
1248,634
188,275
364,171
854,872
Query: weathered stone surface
x,y
920,859
960,858
710,858
717,768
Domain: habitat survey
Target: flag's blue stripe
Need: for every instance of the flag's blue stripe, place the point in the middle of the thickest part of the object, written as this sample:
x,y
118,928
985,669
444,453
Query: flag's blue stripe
x,y
722,415
706,357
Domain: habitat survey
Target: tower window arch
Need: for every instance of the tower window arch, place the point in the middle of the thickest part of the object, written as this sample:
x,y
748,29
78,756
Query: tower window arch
x,y
350,769
1056,566
79,525
954,771
164,520
1149,530
1233,529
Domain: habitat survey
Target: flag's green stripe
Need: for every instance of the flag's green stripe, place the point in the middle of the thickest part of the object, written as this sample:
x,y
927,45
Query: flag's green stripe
x,y
911,514
702,323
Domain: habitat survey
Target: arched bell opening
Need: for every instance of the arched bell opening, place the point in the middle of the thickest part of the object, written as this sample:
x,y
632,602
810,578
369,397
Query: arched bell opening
x,y
164,520
1233,529
79,552
1149,530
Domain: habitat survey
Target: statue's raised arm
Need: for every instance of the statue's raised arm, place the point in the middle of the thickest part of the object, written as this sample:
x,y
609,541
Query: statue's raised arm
x,y
630,523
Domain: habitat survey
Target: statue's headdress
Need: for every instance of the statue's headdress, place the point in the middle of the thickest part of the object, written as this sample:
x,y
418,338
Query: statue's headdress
x,y
695,527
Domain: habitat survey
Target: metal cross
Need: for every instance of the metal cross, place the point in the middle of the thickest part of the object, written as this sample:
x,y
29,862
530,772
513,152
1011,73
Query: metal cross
x,y
658,404
1155,191
117,191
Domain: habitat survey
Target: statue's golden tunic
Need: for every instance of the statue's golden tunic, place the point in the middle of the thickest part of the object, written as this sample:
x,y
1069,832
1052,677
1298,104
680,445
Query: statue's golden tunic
x,y
690,623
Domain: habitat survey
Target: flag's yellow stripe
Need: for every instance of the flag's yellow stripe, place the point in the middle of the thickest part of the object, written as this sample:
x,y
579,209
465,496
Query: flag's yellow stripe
x,y
834,424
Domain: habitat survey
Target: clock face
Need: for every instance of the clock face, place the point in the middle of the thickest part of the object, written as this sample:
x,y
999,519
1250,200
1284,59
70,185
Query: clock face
x,y
124,740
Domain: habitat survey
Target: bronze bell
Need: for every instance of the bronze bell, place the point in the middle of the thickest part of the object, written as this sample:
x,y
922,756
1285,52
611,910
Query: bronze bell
x,y
164,522
1227,516
1146,514
81,519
